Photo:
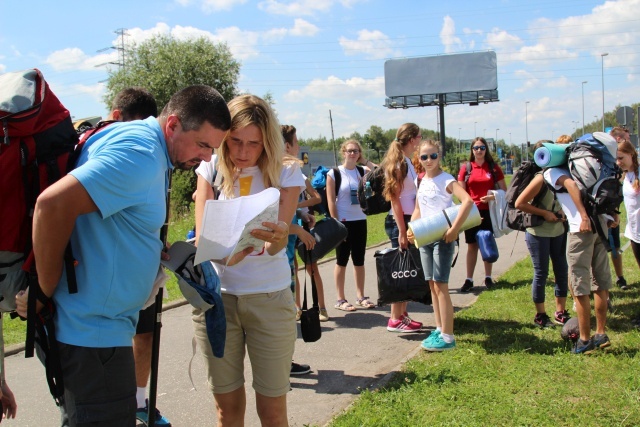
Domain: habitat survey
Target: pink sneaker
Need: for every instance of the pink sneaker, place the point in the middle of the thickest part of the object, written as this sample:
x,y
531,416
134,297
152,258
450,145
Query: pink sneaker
x,y
403,325
413,322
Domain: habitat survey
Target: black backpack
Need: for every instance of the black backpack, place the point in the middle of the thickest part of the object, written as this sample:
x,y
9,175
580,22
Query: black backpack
x,y
516,219
370,192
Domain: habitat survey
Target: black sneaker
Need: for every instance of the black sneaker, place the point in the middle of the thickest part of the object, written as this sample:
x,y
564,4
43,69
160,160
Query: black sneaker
x,y
561,317
543,321
467,287
488,282
622,283
583,347
601,341
299,369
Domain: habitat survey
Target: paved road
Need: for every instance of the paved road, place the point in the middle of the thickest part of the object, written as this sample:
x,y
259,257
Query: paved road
x,y
355,352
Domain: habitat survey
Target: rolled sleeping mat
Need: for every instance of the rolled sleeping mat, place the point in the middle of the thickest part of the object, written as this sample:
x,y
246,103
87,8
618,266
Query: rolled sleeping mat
x,y
431,229
550,155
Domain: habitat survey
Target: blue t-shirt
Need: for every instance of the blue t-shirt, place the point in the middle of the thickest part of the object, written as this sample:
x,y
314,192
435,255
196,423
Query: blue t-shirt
x,y
117,248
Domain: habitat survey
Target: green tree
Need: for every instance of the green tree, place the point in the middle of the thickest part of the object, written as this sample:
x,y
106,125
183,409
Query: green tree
x,y
163,65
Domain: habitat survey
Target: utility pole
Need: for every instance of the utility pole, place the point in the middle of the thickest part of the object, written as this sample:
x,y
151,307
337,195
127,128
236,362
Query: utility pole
x,y
333,140
121,32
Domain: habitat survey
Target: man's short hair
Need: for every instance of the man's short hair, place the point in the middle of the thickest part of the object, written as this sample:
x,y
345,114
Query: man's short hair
x,y
135,103
197,104
288,131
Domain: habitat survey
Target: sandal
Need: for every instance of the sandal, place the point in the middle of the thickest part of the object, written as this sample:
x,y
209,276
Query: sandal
x,y
364,302
343,304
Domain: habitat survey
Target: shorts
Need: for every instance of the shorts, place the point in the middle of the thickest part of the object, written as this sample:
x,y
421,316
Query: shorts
x,y
392,230
146,320
470,234
587,258
355,245
99,386
436,260
262,325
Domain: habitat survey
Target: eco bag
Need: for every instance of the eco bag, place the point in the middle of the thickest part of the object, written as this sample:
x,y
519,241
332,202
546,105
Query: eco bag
x,y
487,245
310,318
400,276
329,233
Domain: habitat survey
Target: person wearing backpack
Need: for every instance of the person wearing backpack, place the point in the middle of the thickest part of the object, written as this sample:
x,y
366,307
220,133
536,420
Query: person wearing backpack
x,y
479,175
345,207
400,189
586,254
112,207
435,193
627,160
548,240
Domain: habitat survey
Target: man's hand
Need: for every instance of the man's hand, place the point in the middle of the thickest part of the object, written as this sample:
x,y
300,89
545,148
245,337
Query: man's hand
x,y
21,303
9,405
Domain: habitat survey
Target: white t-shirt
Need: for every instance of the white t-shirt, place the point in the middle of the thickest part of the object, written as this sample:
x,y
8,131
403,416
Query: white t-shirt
x,y
408,193
350,179
552,175
632,203
433,196
258,272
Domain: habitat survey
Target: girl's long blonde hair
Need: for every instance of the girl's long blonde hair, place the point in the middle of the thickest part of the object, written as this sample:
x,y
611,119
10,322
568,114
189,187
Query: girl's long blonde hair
x,y
627,148
393,164
251,110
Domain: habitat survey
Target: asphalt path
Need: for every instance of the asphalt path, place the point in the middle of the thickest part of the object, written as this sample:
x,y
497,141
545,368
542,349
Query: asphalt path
x,y
355,352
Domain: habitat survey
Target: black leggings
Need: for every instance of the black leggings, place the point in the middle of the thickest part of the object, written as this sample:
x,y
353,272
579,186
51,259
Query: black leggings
x,y
636,251
355,245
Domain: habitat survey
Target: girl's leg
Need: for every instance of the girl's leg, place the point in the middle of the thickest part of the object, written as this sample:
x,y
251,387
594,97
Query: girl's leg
x,y
445,307
313,269
472,258
338,276
435,303
558,251
539,251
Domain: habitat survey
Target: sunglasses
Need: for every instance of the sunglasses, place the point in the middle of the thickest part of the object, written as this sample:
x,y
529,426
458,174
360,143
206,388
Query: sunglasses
x,y
424,157
352,151
479,147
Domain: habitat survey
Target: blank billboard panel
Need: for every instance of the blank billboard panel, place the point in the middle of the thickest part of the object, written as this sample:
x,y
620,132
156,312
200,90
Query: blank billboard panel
x,y
464,72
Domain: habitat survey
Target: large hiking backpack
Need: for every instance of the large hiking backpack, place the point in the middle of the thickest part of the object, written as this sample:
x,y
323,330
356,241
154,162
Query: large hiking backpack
x,y
370,191
592,164
37,142
515,218
319,182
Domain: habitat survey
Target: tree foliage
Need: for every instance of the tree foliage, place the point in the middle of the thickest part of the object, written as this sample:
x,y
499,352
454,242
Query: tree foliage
x,y
163,65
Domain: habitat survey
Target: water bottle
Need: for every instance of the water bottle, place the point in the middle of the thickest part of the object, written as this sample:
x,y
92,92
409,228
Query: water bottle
x,y
191,234
368,191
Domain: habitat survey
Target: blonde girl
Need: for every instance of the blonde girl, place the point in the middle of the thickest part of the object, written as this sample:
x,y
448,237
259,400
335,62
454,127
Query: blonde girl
x,y
435,193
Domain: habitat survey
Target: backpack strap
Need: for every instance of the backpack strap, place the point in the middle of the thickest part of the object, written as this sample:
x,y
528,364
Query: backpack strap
x,y
420,176
337,178
453,263
467,174
360,170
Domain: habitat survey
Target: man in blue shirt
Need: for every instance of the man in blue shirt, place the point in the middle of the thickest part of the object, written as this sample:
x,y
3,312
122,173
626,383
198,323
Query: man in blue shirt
x,y
111,208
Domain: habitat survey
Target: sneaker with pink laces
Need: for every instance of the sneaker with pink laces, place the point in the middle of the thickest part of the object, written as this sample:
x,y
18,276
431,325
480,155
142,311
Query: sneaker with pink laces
x,y
414,322
402,325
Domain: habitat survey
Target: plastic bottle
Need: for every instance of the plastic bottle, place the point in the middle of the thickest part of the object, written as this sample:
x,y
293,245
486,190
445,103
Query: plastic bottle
x,y
191,234
368,191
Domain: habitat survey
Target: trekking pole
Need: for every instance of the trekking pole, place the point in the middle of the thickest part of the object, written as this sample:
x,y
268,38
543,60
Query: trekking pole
x,y
155,349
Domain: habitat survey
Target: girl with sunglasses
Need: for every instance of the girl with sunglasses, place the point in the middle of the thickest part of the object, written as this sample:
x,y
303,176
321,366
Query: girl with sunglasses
x,y
484,175
400,190
435,193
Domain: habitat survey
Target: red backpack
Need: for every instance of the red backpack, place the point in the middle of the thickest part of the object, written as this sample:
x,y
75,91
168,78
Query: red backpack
x,y
37,147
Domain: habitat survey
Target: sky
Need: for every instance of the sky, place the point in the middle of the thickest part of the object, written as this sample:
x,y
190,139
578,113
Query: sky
x,y
317,56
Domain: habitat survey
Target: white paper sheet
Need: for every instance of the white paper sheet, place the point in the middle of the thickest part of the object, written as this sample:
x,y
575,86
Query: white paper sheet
x,y
226,224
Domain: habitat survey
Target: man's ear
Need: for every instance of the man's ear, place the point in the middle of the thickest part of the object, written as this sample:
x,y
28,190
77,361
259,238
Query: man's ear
x,y
172,124
115,115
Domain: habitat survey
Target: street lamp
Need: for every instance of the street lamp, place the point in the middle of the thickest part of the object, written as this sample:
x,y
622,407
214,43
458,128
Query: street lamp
x,y
594,126
526,126
495,141
459,142
602,55
583,83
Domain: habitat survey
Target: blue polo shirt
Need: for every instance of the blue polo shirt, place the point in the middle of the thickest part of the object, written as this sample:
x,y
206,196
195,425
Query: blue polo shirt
x,y
117,248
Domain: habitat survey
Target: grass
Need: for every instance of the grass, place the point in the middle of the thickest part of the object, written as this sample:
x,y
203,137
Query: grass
x,y
507,372
14,329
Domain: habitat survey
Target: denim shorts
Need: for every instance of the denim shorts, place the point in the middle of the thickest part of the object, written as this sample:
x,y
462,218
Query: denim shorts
x,y
436,260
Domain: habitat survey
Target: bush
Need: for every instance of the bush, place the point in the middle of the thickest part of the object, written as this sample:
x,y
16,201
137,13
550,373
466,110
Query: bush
x,y
183,184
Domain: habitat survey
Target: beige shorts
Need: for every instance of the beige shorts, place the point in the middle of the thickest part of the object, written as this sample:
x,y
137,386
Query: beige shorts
x,y
264,325
588,263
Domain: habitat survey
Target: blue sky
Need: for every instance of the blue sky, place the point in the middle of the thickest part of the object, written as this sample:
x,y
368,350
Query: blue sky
x,y
321,55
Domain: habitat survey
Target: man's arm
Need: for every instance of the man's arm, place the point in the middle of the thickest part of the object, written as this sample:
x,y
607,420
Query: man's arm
x,y
54,218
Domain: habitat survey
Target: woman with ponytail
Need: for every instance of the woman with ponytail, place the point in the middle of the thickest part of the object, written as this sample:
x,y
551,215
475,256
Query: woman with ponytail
x,y
400,189
627,159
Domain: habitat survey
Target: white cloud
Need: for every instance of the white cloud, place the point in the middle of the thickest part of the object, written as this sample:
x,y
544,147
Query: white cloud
x,y
373,44
448,36
303,28
3,68
339,89
75,59
209,6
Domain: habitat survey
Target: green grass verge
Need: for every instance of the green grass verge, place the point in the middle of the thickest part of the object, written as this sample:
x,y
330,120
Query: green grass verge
x,y
507,372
